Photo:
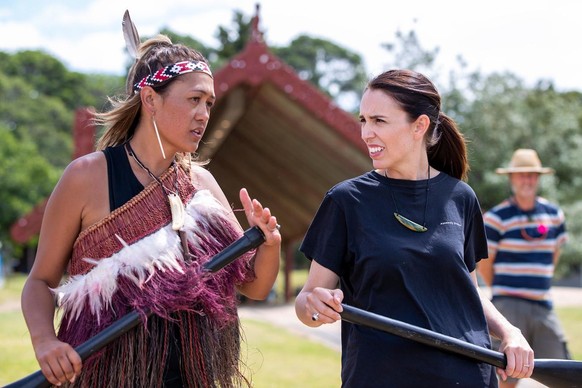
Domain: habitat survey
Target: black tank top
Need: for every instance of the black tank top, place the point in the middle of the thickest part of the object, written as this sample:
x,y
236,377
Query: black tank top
x,y
123,184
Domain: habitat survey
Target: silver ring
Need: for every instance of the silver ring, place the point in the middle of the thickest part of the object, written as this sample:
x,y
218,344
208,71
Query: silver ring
x,y
526,365
277,227
315,317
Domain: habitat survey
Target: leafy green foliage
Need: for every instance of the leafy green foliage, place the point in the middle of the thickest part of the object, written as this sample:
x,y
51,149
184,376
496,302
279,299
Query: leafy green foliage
x,y
26,178
503,115
39,96
409,54
36,117
233,39
49,77
496,112
336,71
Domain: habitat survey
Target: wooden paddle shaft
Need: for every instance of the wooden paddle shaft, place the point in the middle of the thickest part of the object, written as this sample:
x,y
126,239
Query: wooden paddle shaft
x,y
250,239
553,373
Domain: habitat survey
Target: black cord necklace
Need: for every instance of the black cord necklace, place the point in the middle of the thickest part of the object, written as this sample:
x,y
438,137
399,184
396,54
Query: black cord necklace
x,y
176,205
407,223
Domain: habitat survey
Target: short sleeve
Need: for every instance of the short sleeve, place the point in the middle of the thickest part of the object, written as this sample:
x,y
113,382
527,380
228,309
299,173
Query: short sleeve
x,y
326,238
475,239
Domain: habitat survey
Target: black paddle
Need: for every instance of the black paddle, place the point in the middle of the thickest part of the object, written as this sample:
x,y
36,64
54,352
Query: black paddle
x,y
553,373
251,239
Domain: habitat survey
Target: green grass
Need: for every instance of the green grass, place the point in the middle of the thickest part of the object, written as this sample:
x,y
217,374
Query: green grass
x,y
273,357
17,357
277,358
12,288
571,319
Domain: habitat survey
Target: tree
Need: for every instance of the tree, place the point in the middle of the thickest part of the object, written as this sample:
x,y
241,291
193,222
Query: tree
x,y
335,70
37,118
502,115
26,178
409,54
232,40
49,77
497,114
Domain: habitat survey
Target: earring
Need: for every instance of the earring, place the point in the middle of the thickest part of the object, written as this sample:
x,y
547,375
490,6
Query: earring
x,y
158,136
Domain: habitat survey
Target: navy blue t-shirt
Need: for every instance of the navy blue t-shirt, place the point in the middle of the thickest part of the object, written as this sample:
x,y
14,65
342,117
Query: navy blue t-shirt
x,y
418,278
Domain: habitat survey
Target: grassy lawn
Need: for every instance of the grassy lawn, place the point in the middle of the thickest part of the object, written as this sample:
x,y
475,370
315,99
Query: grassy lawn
x,y
273,357
571,319
278,358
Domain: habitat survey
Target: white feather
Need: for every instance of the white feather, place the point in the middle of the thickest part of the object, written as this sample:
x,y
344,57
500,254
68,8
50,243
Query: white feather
x,y
132,40
160,251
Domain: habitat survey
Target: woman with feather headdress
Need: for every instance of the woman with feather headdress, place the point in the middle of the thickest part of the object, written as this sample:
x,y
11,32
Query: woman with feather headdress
x,y
133,223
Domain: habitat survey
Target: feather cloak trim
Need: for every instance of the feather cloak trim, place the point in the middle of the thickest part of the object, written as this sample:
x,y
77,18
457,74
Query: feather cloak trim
x,y
193,331
152,274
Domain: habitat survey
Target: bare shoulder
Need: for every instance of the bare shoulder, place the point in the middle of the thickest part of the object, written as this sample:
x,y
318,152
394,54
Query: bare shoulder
x,y
86,168
76,201
202,178
85,187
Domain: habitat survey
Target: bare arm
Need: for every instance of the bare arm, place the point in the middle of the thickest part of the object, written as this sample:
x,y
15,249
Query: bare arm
x,y
62,222
269,253
557,253
485,268
513,344
319,295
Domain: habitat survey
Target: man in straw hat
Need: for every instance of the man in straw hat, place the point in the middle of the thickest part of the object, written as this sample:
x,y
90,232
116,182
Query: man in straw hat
x,y
525,233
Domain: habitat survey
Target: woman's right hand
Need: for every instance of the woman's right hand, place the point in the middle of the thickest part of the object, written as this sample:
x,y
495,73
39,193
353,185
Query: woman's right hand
x,y
323,305
58,361
319,302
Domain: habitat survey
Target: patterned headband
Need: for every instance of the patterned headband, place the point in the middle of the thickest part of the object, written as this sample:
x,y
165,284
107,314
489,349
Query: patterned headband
x,y
172,71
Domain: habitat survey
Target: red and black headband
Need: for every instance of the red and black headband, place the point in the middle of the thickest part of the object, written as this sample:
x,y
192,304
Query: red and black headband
x,y
172,71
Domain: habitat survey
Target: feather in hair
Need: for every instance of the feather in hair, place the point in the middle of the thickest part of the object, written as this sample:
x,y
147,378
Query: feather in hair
x,y
131,35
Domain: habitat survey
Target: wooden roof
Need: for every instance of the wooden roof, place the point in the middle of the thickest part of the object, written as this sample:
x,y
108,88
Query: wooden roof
x,y
271,132
280,137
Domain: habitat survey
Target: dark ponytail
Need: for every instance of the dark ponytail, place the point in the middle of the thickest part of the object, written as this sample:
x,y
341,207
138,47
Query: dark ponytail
x,y
417,95
448,153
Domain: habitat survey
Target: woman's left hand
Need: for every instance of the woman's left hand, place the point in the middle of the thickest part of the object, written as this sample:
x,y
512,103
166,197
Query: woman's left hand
x,y
519,355
261,217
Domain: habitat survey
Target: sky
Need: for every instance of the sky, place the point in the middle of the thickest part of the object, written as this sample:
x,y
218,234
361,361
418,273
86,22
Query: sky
x,y
534,39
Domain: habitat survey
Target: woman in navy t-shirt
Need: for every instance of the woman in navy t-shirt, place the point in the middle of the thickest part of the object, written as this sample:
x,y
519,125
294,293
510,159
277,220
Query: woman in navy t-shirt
x,y
403,241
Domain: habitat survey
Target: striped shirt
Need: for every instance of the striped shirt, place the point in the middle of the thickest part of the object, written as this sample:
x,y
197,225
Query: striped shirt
x,y
523,243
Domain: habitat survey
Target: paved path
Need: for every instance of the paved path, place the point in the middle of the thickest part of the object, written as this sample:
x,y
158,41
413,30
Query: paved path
x,y
329,335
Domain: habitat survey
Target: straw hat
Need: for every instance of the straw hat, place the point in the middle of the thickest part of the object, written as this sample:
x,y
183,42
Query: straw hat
x,y
525,160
